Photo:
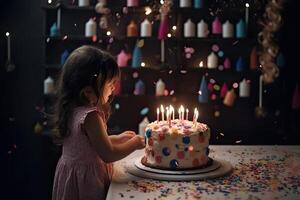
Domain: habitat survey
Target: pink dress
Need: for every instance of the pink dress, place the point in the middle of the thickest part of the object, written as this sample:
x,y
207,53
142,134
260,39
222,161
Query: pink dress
x,y
80,172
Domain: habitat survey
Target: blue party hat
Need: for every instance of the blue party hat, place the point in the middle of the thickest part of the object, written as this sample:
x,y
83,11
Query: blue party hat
x,y
240,65
64,56
136,58
54,31
139,88
240,29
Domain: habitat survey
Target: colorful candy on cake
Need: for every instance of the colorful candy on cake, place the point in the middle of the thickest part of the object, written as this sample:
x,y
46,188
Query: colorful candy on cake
x,y
176,144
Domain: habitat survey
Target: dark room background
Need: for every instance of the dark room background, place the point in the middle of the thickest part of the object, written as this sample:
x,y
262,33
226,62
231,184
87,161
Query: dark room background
x,y
28,160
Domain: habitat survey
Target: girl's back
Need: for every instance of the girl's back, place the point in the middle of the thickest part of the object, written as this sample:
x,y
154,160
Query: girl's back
x,y
80,173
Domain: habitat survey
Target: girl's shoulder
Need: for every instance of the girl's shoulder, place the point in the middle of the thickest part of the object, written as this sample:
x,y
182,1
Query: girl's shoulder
x,y
81,112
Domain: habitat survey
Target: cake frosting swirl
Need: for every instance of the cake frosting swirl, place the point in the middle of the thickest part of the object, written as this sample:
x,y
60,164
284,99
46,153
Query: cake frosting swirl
x,y
177,144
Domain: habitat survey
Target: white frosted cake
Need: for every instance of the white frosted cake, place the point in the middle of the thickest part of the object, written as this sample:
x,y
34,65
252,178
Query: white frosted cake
x,y
179,144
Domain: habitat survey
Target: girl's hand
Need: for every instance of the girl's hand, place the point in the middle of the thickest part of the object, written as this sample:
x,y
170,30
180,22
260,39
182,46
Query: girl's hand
x,y
140,142
125,136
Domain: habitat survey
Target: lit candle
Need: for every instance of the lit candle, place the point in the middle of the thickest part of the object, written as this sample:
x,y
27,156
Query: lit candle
x,y
157,114
247,15
173,112
162,113
201,64
195,117
182,112
179,110
187,114
167,113
8,46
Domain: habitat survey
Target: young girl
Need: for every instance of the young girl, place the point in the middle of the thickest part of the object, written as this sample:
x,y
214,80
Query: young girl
x,y
85,85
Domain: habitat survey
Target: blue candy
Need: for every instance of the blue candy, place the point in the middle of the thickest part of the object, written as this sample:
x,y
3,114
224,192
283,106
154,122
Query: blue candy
x,y
186,139
166,151
174,164
148,133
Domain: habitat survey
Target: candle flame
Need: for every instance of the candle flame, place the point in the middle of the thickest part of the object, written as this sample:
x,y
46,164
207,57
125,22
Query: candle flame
x,y
162,108
247,5
157,110
7,34
201,64
148,10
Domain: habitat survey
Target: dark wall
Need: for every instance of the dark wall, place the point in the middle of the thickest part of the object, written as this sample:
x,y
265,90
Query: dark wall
x,y
20,90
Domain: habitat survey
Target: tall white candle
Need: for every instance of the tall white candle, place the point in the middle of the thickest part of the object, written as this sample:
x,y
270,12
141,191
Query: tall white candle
x,y
227,30
83,3
90,28
146,28
212,60
8,46
185,3
244,88
260,91
202,29
189,28
182,112
247,15
157,113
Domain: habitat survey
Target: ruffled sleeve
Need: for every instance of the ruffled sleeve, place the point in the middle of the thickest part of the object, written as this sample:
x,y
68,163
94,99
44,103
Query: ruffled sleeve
x,y
88,111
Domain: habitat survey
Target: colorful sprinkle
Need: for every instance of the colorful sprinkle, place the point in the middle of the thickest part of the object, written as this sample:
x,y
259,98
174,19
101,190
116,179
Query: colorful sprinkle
x,y
166,151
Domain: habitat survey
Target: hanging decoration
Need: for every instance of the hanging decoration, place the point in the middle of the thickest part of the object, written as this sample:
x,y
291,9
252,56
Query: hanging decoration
x,y
163,27
271,23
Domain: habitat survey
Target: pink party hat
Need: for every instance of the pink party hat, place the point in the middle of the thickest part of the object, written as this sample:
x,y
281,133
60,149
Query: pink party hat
x,y
224,90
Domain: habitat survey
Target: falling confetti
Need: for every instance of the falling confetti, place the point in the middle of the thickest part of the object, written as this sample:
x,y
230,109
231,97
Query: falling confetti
x,y
144,111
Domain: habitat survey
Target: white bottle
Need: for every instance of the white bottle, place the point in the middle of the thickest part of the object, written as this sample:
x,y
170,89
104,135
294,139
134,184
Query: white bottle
x,y
146,28
227,30
185,3
189,28
82,3
48,85
212,61
160,88
142,126
90,28
244,88
202,29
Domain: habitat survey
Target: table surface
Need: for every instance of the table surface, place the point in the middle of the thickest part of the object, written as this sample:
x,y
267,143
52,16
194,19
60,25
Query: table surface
x,y
260,172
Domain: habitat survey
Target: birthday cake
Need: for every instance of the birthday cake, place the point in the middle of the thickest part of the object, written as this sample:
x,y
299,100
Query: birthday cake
x,y
177,145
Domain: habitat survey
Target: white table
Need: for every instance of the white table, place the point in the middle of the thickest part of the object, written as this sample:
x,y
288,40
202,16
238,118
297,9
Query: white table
x,y
260,172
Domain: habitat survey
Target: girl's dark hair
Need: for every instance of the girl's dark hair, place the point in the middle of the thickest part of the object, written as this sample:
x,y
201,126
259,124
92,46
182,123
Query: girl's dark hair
x,y
86,66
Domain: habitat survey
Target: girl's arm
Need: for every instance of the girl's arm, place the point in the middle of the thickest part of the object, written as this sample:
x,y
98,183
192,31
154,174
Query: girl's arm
x,y
121,138
94,126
